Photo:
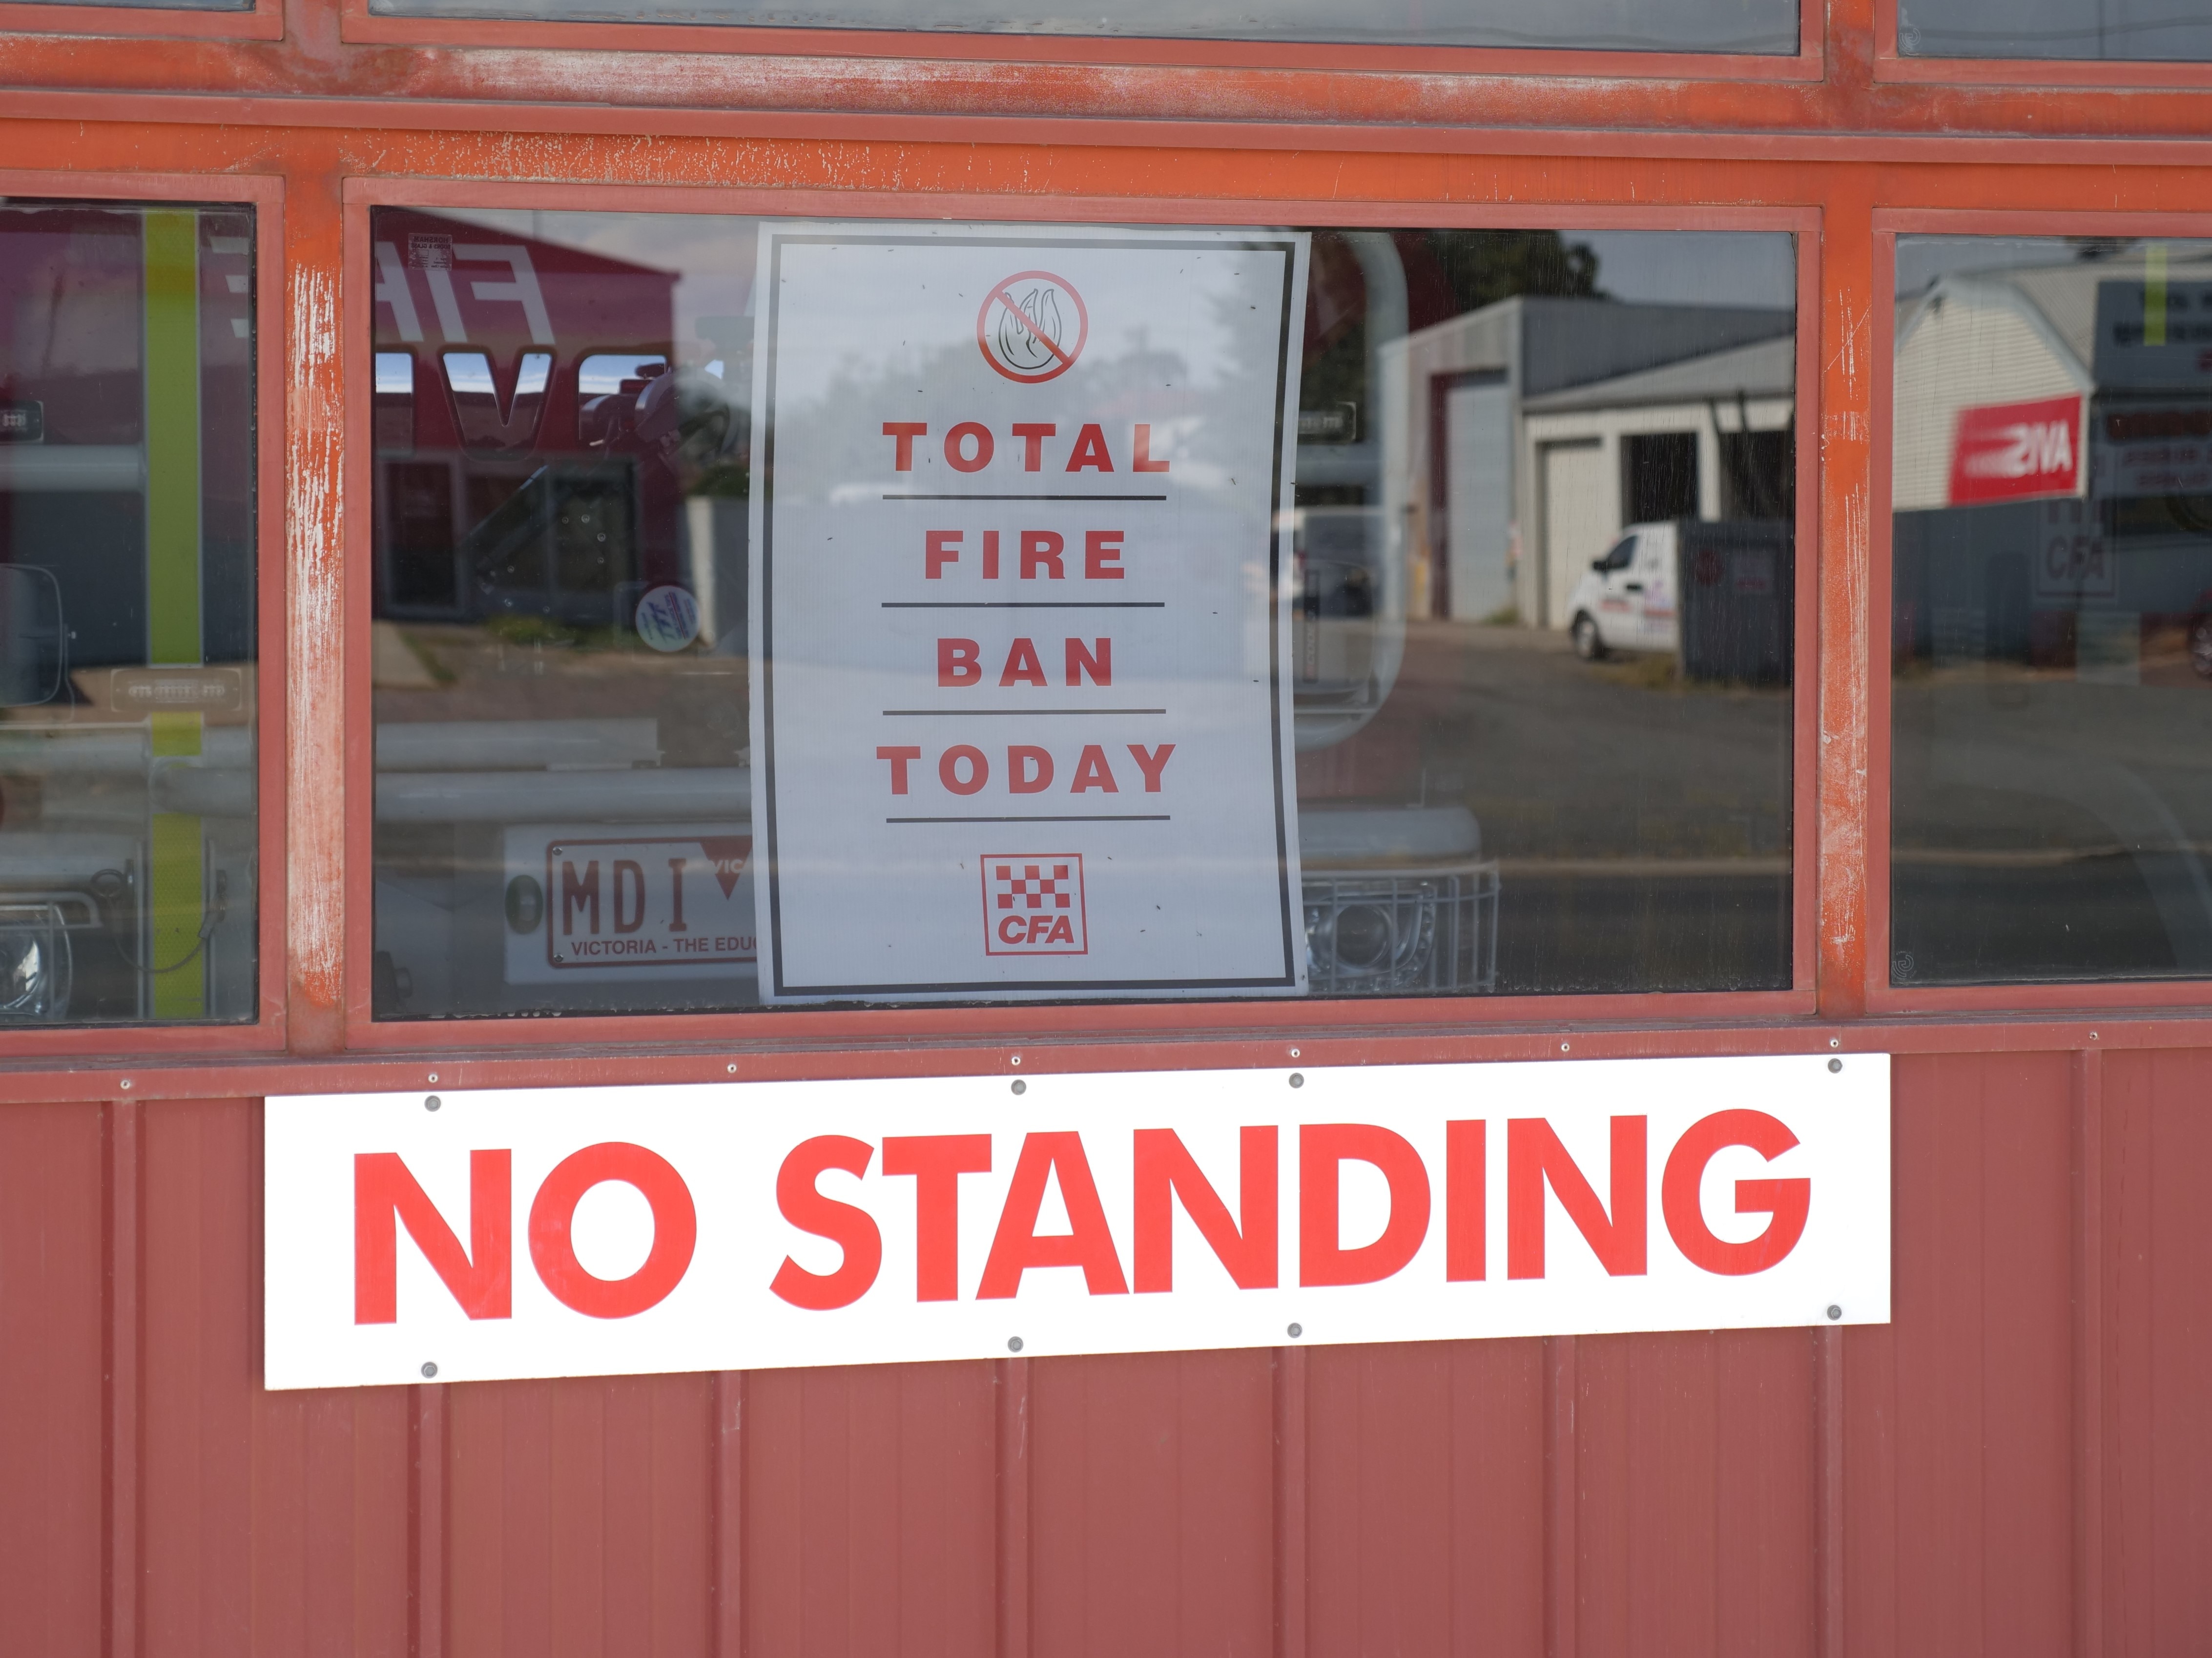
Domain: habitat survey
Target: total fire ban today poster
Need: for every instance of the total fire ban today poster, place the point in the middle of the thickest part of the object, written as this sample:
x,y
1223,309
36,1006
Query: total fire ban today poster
x,y
1021,711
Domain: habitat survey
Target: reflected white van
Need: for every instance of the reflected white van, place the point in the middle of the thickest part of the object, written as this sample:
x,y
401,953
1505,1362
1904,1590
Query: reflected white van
x,y
1716,596
1626,600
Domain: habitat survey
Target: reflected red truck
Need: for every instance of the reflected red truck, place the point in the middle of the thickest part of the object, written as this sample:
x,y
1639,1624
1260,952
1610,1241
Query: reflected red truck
x,y
535,433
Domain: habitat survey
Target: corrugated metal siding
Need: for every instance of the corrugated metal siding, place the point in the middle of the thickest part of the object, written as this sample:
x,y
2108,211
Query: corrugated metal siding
x,y
2017,1465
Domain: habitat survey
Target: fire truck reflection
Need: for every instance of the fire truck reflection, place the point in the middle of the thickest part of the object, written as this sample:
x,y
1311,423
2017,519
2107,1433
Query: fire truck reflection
x,y
539,431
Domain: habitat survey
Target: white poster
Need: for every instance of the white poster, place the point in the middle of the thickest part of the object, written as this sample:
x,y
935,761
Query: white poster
x,y
464,1237
1020,609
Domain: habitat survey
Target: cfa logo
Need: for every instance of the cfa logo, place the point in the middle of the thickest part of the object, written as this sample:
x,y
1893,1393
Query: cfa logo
x,y
1033,904
1032,326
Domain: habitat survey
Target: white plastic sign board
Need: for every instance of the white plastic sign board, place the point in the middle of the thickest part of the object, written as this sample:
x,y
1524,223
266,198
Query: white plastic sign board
x,y
624,1231
1021,706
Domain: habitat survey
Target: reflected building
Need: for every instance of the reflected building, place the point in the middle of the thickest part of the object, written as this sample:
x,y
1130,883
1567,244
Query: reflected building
x,y
1501,514
2052,608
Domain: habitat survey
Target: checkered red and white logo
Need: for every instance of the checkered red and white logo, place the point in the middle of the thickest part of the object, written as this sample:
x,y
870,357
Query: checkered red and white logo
x,y
1033,904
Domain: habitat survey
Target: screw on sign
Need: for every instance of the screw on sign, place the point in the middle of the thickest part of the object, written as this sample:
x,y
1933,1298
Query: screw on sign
x,y
1032,326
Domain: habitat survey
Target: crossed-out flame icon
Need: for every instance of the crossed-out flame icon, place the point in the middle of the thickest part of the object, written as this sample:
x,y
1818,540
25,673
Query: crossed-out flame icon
x,y
1032,326
1023,329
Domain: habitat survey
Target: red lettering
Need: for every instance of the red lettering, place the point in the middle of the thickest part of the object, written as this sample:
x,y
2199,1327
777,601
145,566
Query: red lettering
x,y
1152,764
1788,1202
1012,930
955,446
674,1229
1029,770
1040,551
1033,439
1466,1209
387,1196
1088,1243
959,662
1535,1155
1165,1170
1089,450
1101,554
948,768
1144,462
634,875
937,1161
1322,1149
899,758
1091,772
577,895
940,549
990,554
1099,666
853,1229
905,432
1023,667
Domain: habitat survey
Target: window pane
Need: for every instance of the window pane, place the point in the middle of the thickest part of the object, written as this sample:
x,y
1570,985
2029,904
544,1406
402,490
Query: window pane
x,y
667,686
158,5
2154,31
1765,26
2051,784
126,614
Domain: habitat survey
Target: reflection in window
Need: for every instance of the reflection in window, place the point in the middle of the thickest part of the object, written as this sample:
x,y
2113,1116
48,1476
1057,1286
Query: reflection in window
x,y
1765,26
2051,796
1514,772
2146,31
158,5
126,614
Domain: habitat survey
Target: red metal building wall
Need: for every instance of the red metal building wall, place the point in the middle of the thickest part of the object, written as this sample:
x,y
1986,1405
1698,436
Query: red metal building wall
x,y
2016,1465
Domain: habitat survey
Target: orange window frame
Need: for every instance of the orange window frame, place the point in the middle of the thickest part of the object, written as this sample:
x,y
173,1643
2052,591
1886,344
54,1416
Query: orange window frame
x,y
1845,160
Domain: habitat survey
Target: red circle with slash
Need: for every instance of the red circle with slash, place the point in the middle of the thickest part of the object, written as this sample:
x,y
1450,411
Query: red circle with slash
x,y
1019,343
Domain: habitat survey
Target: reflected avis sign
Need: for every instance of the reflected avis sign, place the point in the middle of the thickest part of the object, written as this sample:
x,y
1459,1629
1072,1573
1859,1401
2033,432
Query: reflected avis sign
x,y
1020,611
622,1231
2017,451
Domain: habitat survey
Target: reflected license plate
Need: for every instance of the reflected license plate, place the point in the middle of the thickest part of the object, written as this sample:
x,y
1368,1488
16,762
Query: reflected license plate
x,y
582,904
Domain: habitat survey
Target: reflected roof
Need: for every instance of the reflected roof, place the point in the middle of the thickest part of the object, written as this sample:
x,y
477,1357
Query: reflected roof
x,y
2062,296
1766,368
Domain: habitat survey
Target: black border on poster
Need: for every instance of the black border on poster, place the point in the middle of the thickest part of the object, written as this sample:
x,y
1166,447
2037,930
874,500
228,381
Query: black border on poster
x,y
765,807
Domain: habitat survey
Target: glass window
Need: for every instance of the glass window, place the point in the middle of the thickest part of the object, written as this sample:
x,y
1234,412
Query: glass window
x,y
778,612
2052,783
158,5
2151,31
1765,26
126,614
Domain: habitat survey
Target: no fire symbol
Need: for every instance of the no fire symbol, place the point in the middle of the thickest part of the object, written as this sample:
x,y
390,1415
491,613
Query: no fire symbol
x,y
1033,904
1032,326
